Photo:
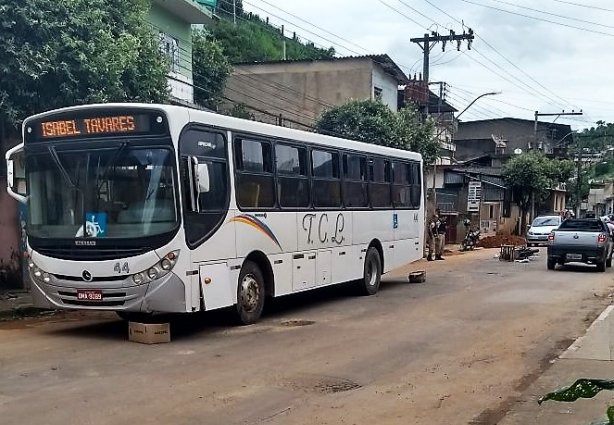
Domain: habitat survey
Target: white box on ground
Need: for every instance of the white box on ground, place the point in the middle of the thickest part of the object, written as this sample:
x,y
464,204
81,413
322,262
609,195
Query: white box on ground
x,y
149,333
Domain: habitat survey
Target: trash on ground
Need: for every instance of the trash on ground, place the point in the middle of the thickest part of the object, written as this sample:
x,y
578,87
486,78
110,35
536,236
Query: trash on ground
x,y
498,241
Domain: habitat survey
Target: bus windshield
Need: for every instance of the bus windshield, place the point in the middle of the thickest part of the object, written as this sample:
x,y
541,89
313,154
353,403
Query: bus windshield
x,y
117,193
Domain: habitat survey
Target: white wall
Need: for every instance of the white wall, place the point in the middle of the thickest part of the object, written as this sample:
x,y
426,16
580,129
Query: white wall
x,y
389,88
181,87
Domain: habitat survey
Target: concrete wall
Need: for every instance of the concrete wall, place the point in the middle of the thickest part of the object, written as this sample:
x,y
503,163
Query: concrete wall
x,y
301,91
10,274
469,149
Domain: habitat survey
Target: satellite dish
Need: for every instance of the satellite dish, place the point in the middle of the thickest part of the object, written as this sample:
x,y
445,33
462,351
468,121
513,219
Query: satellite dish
x,y
518,151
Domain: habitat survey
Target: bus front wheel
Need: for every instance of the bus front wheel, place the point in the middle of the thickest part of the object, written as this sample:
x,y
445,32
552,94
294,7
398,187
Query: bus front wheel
x,y
372,272
250,294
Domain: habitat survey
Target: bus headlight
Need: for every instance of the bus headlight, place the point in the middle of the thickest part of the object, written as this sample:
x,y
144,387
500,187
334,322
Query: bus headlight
x,y
158,270
38,275
152,273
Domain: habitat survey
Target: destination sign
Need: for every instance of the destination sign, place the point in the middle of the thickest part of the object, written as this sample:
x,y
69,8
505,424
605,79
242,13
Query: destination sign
x,y
121,124
87,125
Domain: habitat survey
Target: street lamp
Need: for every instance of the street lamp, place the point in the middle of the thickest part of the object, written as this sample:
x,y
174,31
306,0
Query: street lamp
x,y
476,99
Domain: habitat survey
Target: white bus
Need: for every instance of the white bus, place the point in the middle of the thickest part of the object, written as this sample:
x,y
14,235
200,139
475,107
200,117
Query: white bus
x,y
140,208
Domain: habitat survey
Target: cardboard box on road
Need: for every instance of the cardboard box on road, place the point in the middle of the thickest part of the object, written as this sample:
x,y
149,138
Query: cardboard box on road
x,y
149,333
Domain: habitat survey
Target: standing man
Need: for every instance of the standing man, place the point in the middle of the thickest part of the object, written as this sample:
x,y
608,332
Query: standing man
x,y
433,237
441,236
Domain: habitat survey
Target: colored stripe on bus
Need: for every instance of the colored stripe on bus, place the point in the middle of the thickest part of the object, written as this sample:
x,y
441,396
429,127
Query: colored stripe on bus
x,y
256,224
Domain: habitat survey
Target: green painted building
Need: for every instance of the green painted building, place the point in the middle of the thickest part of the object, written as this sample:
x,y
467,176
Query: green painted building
x,y
173,20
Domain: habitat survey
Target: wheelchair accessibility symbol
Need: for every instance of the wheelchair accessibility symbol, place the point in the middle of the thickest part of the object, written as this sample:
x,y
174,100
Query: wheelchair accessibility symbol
x,y
95,225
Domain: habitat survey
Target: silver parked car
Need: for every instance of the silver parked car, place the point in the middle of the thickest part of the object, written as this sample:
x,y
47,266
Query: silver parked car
x,y
541,227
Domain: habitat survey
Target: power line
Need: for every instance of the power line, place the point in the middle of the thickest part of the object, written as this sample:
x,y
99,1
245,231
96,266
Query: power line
x,y
449,61
294,108
314,25
585,5
403,14
500,54
539,19
298,26
274,85
553,14
531,90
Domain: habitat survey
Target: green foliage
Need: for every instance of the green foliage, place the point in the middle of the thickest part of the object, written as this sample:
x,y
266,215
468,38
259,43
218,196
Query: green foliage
x,y
70,52
251,39
211,69
583,388
371,121
596,139
227,8
532,174
239,110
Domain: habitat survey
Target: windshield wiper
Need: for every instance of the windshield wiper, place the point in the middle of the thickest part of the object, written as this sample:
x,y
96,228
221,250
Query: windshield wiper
x,y
110,165
58,163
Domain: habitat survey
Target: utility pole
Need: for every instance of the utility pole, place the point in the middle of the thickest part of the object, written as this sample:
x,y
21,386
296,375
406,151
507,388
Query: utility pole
x,y
429,41
234,11
442,85
536,145
551,114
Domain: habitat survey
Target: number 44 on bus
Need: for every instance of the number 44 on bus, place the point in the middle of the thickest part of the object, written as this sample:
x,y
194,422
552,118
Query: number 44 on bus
x,y
143,209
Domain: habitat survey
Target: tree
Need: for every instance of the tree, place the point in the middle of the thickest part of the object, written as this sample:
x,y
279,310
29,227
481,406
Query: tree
x,y
227,8
252,39
68,52
371,121
211,70
531,175
240,110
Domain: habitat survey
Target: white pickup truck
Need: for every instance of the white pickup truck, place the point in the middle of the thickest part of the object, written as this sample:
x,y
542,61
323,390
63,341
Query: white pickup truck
x,y
581,241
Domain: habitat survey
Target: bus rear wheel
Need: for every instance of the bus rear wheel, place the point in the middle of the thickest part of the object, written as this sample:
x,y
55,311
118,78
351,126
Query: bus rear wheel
x,y
250,294
372,273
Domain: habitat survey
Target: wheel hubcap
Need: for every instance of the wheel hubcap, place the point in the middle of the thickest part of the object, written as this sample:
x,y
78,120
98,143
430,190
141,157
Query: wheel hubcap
x,y
372,273
250,293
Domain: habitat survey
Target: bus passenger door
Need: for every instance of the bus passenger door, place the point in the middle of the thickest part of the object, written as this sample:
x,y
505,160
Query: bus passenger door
x,y
304,271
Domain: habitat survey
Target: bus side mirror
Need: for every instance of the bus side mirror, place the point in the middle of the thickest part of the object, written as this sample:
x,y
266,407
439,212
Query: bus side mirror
x,y
202,178
200,181
16,174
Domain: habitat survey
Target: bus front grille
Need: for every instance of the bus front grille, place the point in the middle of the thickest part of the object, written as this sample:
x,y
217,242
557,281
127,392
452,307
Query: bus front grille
x,y
91,254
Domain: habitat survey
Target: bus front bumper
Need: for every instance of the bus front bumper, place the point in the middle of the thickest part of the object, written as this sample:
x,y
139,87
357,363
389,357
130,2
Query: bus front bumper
x,y
164,295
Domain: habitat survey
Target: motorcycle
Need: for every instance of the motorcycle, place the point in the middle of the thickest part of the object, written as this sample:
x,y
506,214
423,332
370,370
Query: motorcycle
x,y
471,240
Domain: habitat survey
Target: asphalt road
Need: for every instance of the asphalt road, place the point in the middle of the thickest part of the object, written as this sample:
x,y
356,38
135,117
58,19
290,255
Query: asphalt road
x,y
459,349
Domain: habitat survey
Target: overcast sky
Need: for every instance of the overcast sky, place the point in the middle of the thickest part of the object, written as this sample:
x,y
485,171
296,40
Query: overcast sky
x,y
557,67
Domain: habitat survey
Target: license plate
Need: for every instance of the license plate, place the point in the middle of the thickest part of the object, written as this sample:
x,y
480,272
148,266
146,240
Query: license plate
x,y
89,295
574,256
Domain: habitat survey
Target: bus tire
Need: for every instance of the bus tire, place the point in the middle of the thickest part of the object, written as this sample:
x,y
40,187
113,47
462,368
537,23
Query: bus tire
x,y
250,294
372,273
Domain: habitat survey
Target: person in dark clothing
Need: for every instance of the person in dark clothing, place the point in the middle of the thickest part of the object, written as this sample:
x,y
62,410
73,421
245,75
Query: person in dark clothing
x,y
441,236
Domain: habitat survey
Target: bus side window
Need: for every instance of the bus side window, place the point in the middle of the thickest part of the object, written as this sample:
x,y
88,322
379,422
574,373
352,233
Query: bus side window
x,y
255,181
401,188
379,183
292,179
355,181
326,179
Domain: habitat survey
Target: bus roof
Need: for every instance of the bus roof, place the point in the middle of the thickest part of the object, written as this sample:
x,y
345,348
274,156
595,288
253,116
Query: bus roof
x,y
248,126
